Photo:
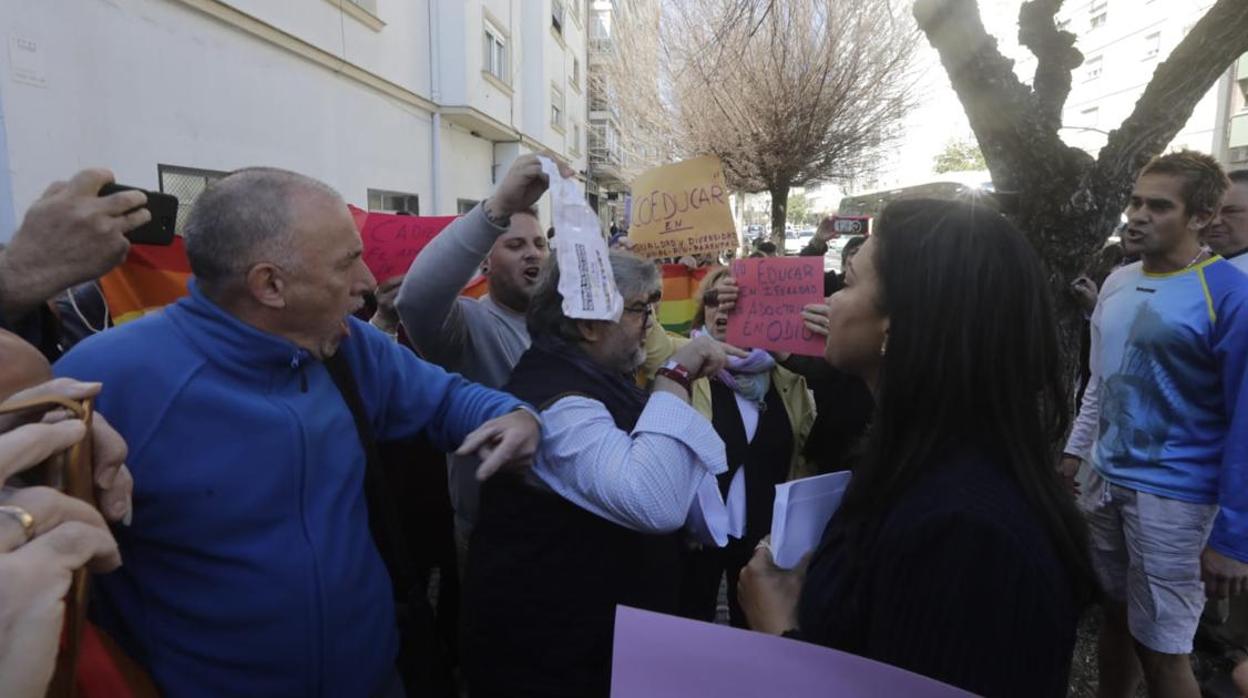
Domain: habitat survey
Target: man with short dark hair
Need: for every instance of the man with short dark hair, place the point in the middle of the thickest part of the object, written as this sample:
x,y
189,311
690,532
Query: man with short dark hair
x,y
1168,505
482,339
250,568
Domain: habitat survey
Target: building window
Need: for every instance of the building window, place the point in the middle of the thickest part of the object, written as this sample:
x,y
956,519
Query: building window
x,y
576,138
186,183
576,72
393,202
465,205
556,107
1098,10
495,58
1152,46
1092,69
557,11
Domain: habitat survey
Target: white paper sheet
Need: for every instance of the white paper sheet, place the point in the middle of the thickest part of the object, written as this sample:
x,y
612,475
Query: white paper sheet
x,y
586,281
801,512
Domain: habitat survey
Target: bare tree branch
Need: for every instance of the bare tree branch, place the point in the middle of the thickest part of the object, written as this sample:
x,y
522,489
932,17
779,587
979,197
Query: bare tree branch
x,y
811,90
1177,86
1012,134
1056,57
1064,200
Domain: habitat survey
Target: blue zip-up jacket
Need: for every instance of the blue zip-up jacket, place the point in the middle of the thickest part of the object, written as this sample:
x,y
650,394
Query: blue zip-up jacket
x,y
249,569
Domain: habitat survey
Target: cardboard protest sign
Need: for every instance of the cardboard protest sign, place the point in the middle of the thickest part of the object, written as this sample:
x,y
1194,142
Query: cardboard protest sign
x,y
391,241
773,291
682,209
661,656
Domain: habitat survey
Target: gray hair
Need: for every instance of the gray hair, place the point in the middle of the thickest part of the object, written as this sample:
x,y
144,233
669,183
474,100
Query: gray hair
x,y
634,276
242,220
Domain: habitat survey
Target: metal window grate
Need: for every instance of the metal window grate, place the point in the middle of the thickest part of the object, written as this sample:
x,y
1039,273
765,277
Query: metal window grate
x,y
186,183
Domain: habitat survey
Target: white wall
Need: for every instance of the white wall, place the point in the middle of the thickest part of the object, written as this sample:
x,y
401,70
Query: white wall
x,y
456,70
133,84
130,84
468,178
398,53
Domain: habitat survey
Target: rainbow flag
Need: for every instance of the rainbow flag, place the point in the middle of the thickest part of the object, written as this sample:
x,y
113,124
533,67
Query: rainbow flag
x,y
151,277
154,276
476,288
680,283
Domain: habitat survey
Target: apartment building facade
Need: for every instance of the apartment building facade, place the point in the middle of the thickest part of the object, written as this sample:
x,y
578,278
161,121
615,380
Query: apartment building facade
x,y
1123,43
413,105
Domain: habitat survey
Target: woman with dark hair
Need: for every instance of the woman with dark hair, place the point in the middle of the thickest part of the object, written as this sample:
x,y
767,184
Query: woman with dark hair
x,y
956,553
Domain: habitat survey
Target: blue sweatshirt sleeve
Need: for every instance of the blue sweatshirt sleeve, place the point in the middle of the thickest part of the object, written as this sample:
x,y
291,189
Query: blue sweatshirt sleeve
x,y
412,395
1230,528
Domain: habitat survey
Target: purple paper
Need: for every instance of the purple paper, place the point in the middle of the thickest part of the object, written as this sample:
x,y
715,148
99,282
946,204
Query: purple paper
x,y
660,656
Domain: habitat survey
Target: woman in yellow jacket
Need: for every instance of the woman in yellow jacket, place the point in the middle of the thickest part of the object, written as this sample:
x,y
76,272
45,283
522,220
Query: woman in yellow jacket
x,y
763,412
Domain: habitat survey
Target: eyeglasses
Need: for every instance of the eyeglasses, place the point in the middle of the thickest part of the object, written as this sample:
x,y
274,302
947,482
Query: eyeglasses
x,y
710,299
646,309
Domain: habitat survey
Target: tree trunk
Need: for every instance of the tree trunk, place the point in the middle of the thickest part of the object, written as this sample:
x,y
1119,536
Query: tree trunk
x,y
1064,200
779,213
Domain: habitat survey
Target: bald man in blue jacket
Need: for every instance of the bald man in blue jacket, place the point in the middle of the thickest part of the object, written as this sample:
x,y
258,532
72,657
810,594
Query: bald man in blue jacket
x,y
249,569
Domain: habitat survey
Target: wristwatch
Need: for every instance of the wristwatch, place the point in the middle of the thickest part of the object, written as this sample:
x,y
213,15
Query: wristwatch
x,y
672,370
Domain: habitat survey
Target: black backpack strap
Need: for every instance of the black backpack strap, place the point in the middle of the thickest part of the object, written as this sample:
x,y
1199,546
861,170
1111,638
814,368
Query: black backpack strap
x,y
383,515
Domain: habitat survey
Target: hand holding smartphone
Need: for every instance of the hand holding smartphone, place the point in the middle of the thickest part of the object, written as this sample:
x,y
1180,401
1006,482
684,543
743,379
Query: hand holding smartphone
x,y
164,209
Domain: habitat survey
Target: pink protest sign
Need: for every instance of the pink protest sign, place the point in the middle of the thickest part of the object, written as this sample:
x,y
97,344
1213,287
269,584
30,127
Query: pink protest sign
x,y
769,308
659,656
391,241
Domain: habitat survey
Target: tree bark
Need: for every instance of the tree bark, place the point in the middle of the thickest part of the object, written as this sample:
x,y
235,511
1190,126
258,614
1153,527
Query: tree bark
x,y
779,213
1066,202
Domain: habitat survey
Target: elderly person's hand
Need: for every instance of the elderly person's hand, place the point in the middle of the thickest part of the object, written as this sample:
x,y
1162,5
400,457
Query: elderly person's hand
x,y
705,356
70,235
768,595
44,537
506,442
114,486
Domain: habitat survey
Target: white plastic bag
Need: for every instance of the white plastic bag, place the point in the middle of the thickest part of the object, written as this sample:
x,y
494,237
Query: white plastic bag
x,y
586,281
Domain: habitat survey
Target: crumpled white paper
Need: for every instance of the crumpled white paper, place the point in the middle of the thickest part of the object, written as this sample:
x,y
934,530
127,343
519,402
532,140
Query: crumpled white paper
x,y
586,281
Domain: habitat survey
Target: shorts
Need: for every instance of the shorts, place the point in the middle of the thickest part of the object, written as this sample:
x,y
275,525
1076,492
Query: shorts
x,y
1146,553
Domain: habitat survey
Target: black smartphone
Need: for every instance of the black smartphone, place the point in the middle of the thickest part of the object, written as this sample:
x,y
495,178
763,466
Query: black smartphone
x,y
164,208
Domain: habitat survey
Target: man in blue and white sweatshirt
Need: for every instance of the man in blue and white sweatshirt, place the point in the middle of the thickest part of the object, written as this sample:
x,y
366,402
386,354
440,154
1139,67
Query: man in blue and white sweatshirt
x,y
249,568
1168,505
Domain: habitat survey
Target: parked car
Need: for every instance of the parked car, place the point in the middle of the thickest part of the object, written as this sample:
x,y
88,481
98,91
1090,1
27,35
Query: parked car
x,y
799,239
